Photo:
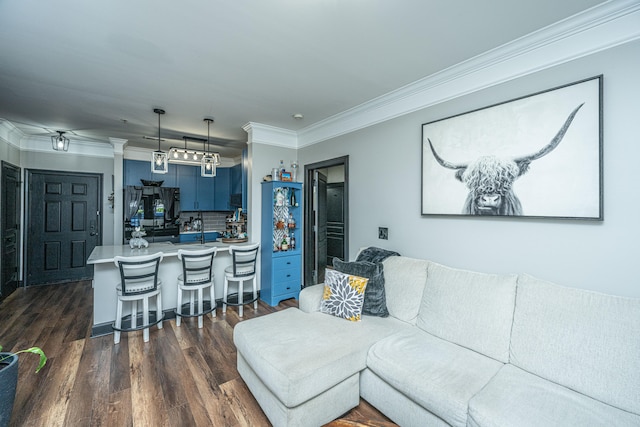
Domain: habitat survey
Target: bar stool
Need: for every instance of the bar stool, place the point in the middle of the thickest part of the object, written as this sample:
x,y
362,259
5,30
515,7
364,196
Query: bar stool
x,y
197,275
243,269
138,281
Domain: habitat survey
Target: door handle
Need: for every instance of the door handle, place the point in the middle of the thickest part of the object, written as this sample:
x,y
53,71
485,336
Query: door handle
x,y
93,233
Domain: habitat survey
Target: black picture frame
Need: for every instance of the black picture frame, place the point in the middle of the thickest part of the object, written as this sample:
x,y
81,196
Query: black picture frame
x,y
537,156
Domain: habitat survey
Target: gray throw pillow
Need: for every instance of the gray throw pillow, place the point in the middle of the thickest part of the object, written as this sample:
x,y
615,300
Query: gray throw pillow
x,y
375,301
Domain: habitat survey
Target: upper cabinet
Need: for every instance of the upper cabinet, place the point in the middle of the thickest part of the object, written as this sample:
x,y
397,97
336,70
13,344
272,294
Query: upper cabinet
x,y
197,193
135,170
222,199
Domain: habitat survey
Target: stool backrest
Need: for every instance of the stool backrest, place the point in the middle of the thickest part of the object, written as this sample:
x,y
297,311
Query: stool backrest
x,y
244,259
138,274
197,265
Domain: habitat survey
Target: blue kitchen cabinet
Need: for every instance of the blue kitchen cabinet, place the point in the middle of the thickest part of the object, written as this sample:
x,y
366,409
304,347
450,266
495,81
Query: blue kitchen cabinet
x,y
206,188
236,179
135,170
222,192
209,236
170,178
187,181
196,192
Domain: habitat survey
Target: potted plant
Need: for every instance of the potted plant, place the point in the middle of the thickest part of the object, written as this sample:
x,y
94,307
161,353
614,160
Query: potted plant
x,y
9,380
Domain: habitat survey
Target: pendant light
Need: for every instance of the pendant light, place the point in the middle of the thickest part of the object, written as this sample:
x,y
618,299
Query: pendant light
x,y
159,159
60,142
208,164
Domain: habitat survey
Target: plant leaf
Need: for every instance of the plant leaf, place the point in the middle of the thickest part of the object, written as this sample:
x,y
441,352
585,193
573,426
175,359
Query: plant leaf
x,y
38,351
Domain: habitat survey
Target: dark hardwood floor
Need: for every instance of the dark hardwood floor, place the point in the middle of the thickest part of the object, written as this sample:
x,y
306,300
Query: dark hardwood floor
x,y
182,377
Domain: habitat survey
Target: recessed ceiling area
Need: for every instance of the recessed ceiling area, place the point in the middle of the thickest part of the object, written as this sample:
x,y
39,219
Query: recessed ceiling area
x,y
98,70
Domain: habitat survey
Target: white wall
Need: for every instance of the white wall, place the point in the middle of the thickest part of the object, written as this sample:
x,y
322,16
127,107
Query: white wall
x,y
384,190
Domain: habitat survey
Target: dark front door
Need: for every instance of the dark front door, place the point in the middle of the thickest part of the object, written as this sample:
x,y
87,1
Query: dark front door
x,y
320,217
10,228
63,217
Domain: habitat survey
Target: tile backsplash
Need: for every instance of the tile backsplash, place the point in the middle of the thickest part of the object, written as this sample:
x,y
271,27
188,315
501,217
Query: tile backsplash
x,y
212,221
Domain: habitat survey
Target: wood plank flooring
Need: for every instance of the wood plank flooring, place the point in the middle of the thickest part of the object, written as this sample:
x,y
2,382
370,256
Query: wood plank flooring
x,y
184,376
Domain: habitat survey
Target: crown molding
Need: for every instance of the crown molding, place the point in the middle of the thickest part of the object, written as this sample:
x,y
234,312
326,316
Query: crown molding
x,y
76,146
118,145
10,133
602,27
271,135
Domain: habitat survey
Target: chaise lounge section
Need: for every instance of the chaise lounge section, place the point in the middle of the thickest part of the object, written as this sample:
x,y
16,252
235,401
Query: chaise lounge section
x,y
459,348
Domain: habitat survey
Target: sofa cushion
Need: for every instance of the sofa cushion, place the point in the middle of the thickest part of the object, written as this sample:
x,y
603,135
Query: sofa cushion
x,y
436,374
375,302
517,398
404,282
299,355
343,295
583,340
474,310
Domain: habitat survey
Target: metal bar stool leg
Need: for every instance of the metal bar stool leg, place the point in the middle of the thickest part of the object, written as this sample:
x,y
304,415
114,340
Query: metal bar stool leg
x,y
213,300
224,296
255,293
159,308
116,333
240,297
145,318
179,308
200,308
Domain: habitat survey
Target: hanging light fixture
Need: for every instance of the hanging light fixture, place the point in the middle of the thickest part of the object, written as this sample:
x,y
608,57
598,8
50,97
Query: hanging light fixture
x,y
208,164
186,155
159,159
60,142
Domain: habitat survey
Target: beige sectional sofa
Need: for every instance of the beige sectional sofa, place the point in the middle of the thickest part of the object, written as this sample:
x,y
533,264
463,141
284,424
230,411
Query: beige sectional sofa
x,y
459,348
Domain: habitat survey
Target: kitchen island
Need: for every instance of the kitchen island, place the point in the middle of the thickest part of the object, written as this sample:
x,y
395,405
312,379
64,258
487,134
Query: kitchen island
x,y
106,276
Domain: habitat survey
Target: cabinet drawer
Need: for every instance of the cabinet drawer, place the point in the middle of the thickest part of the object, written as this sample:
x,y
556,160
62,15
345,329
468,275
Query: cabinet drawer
x,y
286,275
281,288
286,262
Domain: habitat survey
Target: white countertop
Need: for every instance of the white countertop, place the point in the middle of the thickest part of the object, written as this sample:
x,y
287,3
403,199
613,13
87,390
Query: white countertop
x,y
105,254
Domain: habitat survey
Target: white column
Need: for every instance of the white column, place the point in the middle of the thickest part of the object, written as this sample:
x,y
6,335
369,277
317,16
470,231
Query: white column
x,y
118,176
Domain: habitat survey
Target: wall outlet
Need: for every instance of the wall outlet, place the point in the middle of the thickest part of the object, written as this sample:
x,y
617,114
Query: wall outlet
x,y
383,233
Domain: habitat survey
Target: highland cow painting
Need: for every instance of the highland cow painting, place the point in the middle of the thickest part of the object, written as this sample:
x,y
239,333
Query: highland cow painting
x,y
535,156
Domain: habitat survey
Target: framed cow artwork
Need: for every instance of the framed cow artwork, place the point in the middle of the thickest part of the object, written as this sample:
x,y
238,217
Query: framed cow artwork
x,y
537,156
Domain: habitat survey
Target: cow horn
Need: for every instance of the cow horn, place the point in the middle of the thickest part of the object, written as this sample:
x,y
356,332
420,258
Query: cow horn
x,y
444,162
554,142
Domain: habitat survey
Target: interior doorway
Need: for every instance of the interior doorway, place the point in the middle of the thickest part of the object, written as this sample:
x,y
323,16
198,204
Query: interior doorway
x,y
10,203
326,216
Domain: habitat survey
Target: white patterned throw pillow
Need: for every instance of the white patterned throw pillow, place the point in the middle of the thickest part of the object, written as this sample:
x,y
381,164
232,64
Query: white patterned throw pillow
x,y
343,295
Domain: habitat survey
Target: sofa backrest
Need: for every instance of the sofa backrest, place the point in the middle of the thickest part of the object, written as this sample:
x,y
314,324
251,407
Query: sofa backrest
x,y
471,309
404,280
583,340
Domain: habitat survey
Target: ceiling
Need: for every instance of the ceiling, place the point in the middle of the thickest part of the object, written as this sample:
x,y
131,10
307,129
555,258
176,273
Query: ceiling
x,y
97,70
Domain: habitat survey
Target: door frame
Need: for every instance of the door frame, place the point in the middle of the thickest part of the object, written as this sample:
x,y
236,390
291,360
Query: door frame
x,y
3,166
27,211
309,170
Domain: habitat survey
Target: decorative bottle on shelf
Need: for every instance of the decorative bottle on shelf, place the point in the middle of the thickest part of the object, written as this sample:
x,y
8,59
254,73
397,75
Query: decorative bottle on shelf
x,y
284,245
293,242
281,170
292,200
